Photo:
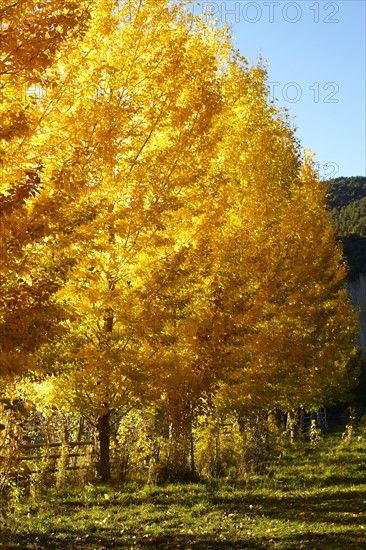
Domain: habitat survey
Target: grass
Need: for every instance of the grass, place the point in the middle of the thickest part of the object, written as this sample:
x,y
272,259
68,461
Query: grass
x,y
308,498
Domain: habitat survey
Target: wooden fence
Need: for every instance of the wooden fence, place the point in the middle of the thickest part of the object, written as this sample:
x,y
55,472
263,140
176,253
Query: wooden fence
x,y
71,444
74,452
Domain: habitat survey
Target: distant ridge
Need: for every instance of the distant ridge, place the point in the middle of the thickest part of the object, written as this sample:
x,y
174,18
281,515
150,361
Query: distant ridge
x,y
347,204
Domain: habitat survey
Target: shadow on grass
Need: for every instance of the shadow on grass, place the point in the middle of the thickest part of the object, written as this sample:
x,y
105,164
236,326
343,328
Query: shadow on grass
x,y
108,540
326,520
75,540
323,541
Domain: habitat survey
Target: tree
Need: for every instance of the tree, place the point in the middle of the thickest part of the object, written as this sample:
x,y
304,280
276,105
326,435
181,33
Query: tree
x,y
165,222
126,152
32,36
290,326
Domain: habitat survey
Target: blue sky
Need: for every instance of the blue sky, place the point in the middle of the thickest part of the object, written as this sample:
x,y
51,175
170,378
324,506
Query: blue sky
x,y
317,69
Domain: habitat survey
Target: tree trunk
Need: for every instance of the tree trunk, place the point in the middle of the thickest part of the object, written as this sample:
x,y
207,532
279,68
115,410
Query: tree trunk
x,y
191,449
104,467
80,430
292,424
217,435
278,419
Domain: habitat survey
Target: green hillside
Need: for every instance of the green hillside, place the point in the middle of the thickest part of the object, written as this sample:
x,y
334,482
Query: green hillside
x,y
346,191
347,203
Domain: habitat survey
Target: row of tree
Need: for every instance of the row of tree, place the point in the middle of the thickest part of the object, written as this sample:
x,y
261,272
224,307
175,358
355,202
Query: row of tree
x,y
164,246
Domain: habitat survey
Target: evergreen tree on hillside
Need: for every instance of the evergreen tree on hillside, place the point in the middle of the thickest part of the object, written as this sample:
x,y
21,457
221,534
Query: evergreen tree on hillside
x,y
347,204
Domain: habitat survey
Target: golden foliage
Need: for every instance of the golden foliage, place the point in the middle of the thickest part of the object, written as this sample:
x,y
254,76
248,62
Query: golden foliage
x,y
162,240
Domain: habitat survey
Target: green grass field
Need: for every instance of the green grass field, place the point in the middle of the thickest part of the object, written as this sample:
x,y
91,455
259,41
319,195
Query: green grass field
x,y
313,498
